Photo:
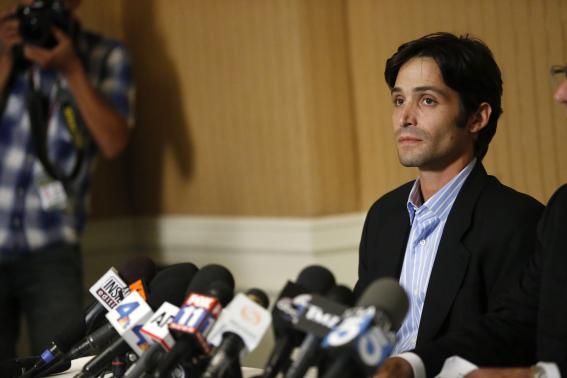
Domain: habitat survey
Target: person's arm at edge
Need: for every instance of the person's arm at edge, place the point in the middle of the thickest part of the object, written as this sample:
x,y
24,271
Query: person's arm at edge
x,y
548,369
9,37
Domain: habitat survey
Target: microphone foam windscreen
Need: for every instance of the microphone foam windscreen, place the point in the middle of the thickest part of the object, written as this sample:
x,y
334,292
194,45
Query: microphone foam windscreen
x,y
138,267
388,296
316,279
221,291
170,284
209,274
258,296
341,294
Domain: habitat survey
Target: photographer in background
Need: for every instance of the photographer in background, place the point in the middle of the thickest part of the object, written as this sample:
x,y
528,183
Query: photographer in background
x,y
66,95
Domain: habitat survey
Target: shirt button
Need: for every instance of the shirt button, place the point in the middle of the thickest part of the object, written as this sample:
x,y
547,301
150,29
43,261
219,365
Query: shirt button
x,y
20,192
29,159
422,242
415,292
16,222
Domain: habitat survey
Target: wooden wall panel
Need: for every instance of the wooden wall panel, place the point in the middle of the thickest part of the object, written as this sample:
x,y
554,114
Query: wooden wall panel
x,y
243,106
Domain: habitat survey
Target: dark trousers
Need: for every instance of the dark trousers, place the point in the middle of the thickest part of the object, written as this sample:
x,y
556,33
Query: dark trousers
x,y
46,287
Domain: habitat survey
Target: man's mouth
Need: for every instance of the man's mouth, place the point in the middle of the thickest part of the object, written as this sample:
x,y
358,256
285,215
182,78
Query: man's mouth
x,y
408,140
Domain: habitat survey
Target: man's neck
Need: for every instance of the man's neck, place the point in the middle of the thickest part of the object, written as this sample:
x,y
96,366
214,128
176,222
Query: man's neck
x,y
432,180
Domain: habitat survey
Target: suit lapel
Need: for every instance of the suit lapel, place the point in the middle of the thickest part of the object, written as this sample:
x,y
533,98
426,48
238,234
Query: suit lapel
x,y
452,258
394,240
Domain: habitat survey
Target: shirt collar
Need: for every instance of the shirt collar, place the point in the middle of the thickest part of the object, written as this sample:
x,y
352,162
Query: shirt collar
x,y
440,203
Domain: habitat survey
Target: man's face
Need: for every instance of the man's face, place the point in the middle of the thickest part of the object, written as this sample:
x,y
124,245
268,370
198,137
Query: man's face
x,y
561,93
425,117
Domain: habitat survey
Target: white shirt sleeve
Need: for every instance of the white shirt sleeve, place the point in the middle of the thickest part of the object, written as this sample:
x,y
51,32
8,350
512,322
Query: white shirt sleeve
x,y
551,370
418,368
416,363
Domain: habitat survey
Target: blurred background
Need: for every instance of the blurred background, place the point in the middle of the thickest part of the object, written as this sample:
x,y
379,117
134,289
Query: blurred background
x,y
263,128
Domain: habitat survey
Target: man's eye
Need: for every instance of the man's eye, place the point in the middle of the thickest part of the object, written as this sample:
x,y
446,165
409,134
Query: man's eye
x,y
429,101
398,101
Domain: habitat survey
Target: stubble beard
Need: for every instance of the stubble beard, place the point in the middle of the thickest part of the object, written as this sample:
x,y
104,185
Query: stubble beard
x,y
413,159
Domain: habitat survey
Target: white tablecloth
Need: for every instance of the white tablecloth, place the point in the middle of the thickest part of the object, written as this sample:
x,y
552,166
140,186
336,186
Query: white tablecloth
x,y
77,365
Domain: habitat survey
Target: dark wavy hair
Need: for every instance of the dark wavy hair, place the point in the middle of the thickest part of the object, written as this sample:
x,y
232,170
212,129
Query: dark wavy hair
x,y
467,66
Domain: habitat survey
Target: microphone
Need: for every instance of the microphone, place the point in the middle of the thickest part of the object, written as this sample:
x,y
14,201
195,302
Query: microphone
x,y
240,327
367,332
110,289
157,330
15,367
288,307
128,317
157,327
175,276
197,316
107,290
322,314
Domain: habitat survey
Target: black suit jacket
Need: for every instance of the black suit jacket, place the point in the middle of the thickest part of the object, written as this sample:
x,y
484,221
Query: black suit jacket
x,y
529,322
488,237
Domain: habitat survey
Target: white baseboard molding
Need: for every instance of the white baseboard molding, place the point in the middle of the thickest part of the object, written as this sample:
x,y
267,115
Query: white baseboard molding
x,y
260,252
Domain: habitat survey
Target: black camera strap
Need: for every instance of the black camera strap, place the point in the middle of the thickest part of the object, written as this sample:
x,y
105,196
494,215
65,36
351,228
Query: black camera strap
x,y
38,105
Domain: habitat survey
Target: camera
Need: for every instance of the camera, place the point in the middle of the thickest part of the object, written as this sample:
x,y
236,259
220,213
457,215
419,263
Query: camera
x,y
37,19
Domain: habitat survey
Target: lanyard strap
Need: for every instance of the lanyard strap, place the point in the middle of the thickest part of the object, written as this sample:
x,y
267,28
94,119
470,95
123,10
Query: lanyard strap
x,y
40,108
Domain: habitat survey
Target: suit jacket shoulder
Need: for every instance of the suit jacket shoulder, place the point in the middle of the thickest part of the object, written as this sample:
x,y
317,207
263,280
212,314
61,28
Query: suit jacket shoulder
x,y
515,203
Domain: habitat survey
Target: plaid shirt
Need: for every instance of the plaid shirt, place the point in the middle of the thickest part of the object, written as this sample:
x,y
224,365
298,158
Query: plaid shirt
x,y
24,225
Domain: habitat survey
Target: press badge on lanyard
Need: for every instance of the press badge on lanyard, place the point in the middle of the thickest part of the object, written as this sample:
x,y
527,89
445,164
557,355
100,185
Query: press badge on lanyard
x,y
51,190
52,194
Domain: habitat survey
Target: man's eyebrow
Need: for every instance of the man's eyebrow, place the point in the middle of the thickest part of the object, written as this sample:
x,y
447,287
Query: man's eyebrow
x,y
423,88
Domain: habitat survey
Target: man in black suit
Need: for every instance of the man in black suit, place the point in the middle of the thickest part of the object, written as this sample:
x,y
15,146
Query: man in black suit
x,y
528,324
455,237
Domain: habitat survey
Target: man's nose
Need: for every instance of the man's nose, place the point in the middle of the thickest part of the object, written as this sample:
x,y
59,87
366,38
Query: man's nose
x,y
407,115
561,93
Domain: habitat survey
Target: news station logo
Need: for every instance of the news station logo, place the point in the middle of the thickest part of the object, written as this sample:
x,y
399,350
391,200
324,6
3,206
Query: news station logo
x,y
318,315
111,292
210,304
141,341
251,315
291,309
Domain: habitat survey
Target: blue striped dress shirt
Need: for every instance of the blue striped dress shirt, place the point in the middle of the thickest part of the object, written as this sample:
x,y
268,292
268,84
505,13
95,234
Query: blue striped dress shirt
x,y
427,222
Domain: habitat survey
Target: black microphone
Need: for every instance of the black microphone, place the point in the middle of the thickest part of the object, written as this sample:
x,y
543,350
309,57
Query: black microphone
x,y
290,304
367,332
241,326
317,321
168,285
210,292
15,367
146,362
139,267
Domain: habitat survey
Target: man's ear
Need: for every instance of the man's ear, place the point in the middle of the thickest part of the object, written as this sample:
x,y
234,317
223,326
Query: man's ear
x,y
480,118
